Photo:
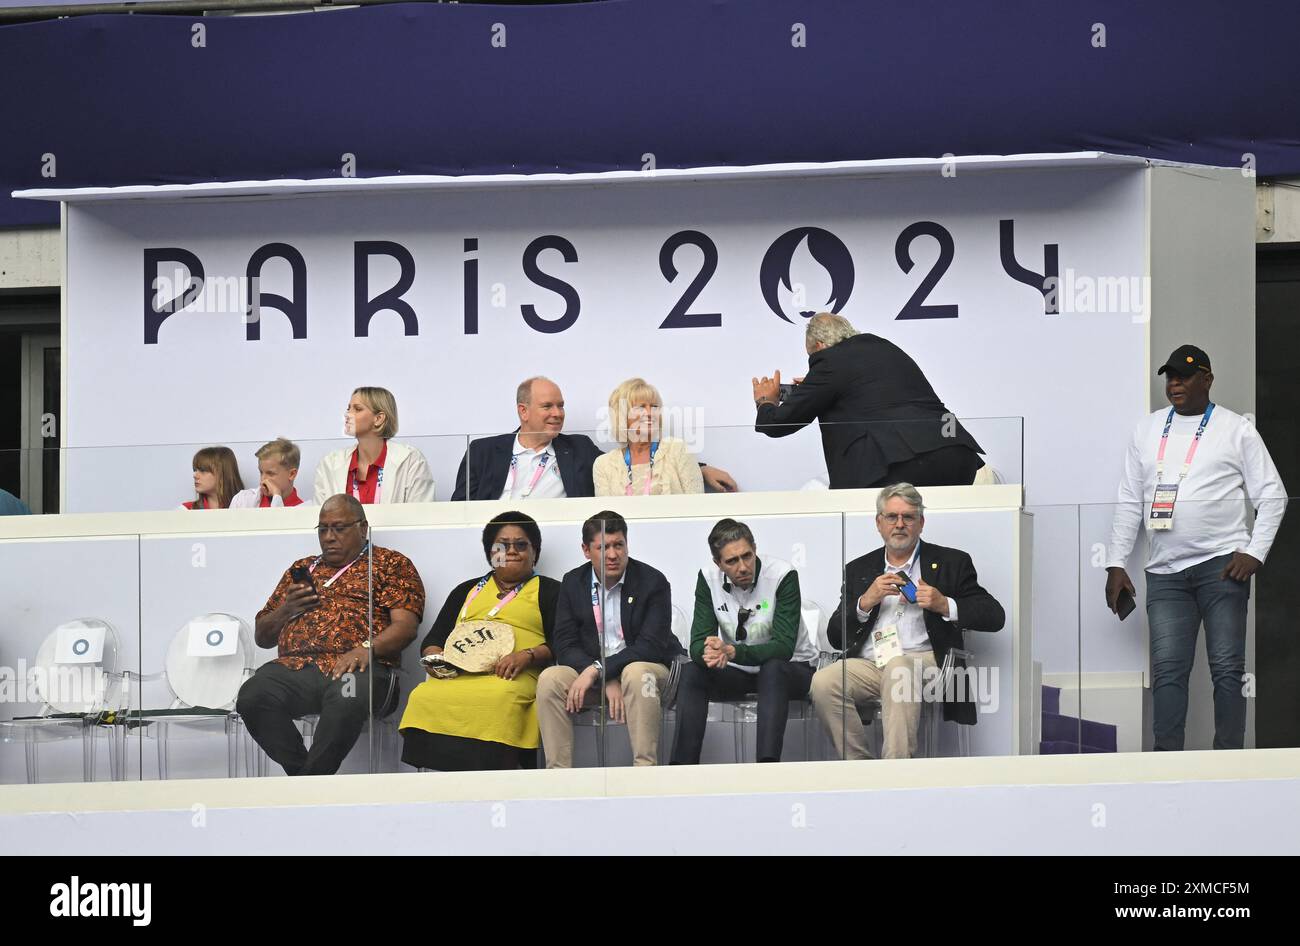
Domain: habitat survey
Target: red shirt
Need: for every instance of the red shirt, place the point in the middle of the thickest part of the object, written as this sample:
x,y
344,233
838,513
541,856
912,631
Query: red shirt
x,y
197,503
293,499
366,490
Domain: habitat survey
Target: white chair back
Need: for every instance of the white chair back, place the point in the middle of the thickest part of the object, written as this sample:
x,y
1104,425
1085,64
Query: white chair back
x,y
75,667
681,627
814,620
208,659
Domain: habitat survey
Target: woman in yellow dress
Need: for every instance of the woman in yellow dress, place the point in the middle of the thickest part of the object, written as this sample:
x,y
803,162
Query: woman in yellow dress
x,y
488,720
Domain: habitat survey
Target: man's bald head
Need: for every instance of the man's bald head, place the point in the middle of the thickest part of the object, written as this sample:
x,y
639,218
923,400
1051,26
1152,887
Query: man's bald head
x,y
350,506
541,412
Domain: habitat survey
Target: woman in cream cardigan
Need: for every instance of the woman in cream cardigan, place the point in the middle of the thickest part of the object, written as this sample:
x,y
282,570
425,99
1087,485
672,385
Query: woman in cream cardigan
x,y
645,464
378,469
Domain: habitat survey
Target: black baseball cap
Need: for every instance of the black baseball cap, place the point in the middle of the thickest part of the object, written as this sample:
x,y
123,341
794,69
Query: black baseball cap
x,y
1185,361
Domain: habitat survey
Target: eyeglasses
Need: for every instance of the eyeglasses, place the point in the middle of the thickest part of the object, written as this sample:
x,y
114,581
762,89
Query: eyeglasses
x,y
336,528
908,517
517,545
742,617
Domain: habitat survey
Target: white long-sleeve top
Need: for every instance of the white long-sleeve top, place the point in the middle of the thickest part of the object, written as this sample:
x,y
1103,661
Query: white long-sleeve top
x,y
1231,469
406,475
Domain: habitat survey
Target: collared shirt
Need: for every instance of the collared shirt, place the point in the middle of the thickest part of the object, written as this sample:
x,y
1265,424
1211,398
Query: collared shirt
x,y
338,623
549,486
366,488
911,626
612,614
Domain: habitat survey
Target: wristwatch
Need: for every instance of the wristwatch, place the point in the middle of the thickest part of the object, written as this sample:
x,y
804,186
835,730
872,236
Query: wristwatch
x,y
597,665
365,644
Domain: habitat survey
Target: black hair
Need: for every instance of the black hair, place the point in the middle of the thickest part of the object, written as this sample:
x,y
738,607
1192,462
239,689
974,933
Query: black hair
x,y
523,521
724,533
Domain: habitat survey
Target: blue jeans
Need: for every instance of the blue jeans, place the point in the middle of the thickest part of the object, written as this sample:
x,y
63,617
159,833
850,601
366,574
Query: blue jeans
x,y
1176,606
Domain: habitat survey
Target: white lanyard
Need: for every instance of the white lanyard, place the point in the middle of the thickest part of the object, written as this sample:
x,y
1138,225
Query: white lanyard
x,y
482,583
338,574
532,483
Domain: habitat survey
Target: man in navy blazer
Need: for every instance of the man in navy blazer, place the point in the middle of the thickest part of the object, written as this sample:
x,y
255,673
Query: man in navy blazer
x,y
613,626
902,608
538,460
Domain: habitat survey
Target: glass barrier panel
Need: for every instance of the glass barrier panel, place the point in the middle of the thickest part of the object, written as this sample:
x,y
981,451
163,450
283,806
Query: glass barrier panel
x,y
70,658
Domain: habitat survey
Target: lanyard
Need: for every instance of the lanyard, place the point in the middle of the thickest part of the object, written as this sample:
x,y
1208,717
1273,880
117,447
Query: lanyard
x,y
902,598
339,574
1191,451
598,612
482,583
627,458
355,491
532,483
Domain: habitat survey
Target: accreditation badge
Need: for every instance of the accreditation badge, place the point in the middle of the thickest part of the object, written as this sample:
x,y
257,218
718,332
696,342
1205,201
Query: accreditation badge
x,y
886,645
1162,507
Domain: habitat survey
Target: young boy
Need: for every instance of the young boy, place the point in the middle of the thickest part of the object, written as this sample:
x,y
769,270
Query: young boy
x,y
277,466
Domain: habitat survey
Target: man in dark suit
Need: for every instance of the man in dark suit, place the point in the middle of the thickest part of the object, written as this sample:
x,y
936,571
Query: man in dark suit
x,y
894,645
538,460
881,421
621,638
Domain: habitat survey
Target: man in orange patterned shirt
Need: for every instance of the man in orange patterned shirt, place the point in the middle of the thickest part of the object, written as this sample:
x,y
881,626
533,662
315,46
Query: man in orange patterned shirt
x,y
328,663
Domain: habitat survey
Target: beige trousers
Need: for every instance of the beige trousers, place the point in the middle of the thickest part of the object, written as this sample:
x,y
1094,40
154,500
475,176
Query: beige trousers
x,y
840,690
642,683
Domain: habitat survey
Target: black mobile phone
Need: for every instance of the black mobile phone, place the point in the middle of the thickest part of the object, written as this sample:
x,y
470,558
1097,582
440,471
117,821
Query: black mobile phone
x,y
1124,604
784,391
302,576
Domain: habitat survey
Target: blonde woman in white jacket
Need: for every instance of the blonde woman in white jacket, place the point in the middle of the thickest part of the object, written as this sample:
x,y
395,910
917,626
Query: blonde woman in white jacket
x,y
377,469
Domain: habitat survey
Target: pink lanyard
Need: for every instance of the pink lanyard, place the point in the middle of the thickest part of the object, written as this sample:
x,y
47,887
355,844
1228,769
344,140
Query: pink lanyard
x,y
649,477
482,583
1191,451
598,612
338,574
537,475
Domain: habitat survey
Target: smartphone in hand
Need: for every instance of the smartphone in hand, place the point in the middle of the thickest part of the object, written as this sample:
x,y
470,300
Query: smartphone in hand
x,y
301,575
1124,604
908,590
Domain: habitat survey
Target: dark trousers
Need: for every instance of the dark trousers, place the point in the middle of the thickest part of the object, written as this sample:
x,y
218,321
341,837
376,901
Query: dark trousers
x,y
271,699
954,465
776,683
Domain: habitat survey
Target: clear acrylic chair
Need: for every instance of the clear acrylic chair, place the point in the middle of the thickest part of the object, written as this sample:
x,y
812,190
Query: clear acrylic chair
x,y
596,715
930,725
207,662
740,713
76,680
382,727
